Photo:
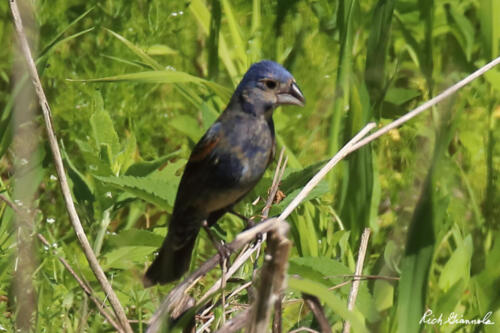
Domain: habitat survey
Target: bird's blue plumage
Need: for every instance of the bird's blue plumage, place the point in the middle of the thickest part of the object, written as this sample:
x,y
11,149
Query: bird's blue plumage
x,y
225,164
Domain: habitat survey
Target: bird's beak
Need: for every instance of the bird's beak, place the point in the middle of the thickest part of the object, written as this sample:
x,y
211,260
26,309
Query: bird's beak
x,y
291,95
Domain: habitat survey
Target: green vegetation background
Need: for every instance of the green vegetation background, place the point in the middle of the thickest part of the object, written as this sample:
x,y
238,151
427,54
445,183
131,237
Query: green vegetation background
x,y
430,190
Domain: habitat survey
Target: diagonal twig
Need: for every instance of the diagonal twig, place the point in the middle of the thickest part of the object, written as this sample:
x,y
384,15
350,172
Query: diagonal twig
x,y
56,154
272,277
430,103
86,288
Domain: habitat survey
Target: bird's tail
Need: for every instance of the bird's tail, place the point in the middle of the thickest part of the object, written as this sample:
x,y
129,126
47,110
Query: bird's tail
x,y
172,260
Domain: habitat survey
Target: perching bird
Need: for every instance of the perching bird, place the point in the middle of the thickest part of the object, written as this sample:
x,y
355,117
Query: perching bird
x,y
225,164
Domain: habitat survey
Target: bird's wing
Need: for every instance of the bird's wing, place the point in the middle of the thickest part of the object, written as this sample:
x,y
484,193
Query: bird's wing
x,y
207,143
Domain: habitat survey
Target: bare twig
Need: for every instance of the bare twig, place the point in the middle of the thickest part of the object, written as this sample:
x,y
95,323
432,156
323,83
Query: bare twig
x,y
278,314
347,149
430,103
303,329
70,207
365,277
278,174
236,323
10,204
314,305
272,278
86,288
359,270
222,286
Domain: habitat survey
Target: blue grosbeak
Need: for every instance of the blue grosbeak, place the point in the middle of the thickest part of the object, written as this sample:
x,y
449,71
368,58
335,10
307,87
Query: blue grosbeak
x,y
225,164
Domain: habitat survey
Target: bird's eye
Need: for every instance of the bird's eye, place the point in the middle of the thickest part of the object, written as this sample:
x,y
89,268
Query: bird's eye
x,y
270,84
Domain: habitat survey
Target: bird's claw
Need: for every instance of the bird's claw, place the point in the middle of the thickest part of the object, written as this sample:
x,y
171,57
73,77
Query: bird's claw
x,y
224,254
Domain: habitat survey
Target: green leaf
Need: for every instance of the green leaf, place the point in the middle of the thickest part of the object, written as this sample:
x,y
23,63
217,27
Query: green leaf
x,y
136,237
138,51
298,179
104,132
156,191
319,269
458,266
144,168
58,38
159,76
126,257
330,272
82,189
160,49
126,156
400,96
331,300
188,126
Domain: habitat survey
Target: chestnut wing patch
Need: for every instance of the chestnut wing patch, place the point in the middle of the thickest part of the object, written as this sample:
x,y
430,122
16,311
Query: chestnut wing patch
x,y
207,143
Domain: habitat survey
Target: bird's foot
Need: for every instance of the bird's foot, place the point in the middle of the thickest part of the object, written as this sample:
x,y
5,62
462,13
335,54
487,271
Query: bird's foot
x,y
222,249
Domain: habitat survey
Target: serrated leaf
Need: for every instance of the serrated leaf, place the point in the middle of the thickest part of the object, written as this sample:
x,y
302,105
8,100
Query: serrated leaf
x,y
311,267
155,191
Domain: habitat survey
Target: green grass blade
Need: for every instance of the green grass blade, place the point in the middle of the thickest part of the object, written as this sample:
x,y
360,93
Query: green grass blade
x,y
57,39
137,51
234,29
149,77
375,76
202,15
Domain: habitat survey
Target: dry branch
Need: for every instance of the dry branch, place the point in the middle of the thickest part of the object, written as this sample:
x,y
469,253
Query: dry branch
x,y
70,207
272,278
359,270
86,288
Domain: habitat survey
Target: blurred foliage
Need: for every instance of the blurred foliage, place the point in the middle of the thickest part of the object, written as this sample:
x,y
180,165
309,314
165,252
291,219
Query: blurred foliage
x,y
134,84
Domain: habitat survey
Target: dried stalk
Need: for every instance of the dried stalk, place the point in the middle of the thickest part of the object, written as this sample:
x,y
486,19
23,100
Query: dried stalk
x,y
70,207
359,270
86,288
272,278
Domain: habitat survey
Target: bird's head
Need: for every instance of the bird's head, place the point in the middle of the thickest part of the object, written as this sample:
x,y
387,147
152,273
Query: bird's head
x,y
265,86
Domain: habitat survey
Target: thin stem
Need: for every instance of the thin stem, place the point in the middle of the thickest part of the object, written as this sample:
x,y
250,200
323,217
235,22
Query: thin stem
x,y
63,182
